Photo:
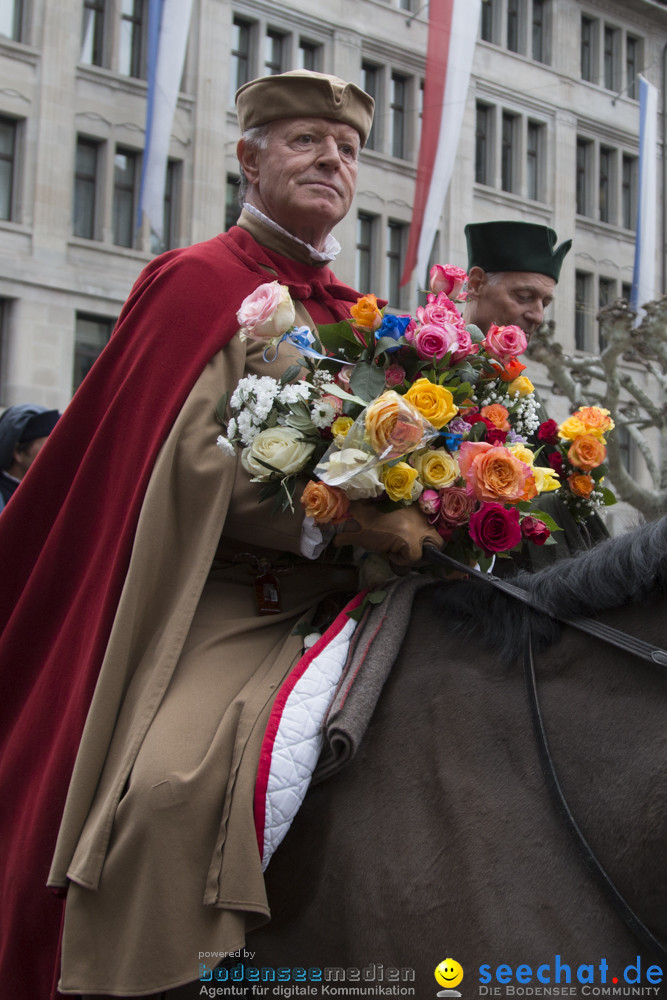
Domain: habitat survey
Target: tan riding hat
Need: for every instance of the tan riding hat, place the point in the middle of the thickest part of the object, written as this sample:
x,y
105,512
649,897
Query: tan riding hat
x,y
304,94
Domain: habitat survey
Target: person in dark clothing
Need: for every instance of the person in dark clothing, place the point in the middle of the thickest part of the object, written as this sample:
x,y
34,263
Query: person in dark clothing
x,y
23,430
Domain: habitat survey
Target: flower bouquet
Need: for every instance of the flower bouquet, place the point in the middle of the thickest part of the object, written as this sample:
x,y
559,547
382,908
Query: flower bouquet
x,y
410,410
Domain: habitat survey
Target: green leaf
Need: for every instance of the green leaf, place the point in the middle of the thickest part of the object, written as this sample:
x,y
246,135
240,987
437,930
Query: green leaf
x,y
387,343
608,497
290,374
476,334
376,597
347,397
335,336
367,381
221,409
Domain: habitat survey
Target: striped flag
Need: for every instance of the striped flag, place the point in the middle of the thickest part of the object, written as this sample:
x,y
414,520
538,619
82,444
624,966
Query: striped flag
x,y
452,32
168,25
644,277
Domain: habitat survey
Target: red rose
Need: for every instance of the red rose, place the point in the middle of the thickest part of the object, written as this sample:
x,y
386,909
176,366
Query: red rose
x,y
534,530
495,528
548,432
556,462
495,436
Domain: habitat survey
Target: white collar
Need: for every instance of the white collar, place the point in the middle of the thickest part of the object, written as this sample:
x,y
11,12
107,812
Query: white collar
x,y
331,245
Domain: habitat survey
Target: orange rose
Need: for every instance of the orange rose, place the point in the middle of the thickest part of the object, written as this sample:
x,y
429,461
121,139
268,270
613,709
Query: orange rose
x,y
495,474
530,491
511,370
365,312
596,420
581,485
325,504
498,415
394,426
586,452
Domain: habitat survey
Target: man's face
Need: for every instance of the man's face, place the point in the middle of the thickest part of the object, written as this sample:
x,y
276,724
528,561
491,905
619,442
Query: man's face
x,y
508,297
306,177
25,456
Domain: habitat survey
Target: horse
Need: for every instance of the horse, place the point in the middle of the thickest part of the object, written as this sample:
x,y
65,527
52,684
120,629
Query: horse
x,y
440,839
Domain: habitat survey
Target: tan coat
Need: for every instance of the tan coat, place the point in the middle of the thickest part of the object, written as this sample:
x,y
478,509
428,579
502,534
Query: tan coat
x,y
157,842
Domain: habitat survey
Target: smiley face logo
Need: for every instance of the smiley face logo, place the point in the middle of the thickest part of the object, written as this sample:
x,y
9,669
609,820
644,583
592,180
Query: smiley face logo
x,y
448,973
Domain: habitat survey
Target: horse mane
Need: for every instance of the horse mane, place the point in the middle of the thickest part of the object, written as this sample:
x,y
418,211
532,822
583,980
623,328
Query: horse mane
x,y
618,571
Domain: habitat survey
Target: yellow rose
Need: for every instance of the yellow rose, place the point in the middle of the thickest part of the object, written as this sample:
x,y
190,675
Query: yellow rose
x,y
572,428
522,453
434,402
521,386
400,482
340,427
545,479
437,468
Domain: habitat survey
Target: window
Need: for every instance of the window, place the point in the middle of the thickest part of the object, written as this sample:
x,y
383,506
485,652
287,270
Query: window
x,y
582,309
396,232
606,205
92,33
170,210
91,335
406,4
240,56
487,33
370,82
606,295
534,160
232,207
540,37
273,52
131,56
611,60
629,192
4,324
85,189
11,19
513,25
627,449
397,115
310,56
483,136
8,131
508,179
584,161
632,66
588,49
365,252
126,174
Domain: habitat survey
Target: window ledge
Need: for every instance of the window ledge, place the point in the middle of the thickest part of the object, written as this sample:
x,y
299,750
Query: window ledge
x,y
18,50
15,227
606,228
101,247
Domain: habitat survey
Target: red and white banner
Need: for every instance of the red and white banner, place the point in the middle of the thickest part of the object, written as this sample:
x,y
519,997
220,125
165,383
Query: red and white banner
x,y
452,33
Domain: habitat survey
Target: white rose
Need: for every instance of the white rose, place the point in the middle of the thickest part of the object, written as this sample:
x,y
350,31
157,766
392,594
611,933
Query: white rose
x,y
280,447
351,469
267,312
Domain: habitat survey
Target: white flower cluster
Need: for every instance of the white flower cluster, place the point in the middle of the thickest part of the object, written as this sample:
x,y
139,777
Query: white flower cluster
x,y
253,400
527,415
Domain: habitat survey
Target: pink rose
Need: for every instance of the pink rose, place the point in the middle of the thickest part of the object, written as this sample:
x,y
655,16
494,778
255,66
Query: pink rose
x,y
429,504
534,530
334,402
439,310
342,377
456,506
267,312
435,341
448,279
466,346
505,342
470,450
394,375
494,528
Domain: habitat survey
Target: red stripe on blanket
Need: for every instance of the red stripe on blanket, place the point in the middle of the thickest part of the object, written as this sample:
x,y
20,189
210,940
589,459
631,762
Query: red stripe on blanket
x,y
264,767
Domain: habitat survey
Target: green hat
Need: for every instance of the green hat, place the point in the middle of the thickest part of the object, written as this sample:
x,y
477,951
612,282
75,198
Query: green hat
x,y
304,94
515,246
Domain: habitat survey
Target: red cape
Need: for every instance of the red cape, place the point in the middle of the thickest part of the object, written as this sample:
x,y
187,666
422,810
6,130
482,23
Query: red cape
x,y
65,543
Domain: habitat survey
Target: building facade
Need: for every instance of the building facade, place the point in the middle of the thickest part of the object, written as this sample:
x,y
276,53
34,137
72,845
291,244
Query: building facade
x,y
550,135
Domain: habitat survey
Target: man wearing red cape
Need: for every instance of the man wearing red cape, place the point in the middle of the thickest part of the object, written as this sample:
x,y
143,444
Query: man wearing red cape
x,y
129,741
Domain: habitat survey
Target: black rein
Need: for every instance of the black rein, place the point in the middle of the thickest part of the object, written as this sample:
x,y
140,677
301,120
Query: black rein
x,y
628,643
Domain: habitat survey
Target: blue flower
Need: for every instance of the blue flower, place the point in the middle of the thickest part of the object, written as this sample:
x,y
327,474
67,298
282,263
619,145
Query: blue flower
x,y
393,327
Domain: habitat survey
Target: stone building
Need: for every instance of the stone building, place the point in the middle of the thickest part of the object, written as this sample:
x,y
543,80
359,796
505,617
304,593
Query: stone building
x,y
550,135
